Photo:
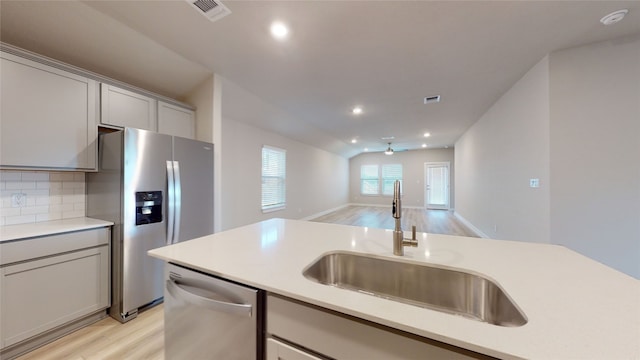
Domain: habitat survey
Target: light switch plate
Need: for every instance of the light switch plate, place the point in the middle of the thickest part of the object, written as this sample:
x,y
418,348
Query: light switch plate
x,y
534,183
18,200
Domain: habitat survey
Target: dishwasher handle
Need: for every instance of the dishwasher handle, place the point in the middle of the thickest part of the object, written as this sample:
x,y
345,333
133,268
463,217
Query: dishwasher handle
x,y
179,292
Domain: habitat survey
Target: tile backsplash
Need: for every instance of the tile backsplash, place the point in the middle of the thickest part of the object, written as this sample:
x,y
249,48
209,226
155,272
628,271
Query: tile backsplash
x,y
35,196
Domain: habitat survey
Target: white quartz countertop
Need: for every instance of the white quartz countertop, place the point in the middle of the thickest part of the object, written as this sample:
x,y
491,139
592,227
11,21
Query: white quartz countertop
x,y
25,231
576,308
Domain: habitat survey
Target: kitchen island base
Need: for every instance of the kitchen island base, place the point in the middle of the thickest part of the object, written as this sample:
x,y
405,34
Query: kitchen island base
x,y
324,334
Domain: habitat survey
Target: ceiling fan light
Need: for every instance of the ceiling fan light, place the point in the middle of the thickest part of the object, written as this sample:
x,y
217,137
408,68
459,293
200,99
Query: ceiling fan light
x,y
389,150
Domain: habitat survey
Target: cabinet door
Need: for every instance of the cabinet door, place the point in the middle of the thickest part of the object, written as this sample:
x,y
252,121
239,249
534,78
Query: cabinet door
x,y
277,350
174,120
39,295
48,117
124,108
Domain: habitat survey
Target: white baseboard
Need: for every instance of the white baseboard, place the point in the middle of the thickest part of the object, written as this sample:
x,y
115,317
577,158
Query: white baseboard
x,y
316,215
466,223
322,213
385,206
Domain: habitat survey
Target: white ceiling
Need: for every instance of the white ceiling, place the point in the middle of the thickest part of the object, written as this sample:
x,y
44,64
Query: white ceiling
x,y
383,55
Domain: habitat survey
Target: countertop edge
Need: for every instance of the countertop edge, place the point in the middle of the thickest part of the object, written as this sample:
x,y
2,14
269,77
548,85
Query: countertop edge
x,y
47,228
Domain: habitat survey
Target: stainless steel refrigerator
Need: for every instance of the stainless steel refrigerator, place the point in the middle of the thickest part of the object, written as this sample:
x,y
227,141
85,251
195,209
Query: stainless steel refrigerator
x,y
158,190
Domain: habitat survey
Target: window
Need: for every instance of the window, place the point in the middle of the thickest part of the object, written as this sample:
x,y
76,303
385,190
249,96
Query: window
x,y
369,181
390,173
273,179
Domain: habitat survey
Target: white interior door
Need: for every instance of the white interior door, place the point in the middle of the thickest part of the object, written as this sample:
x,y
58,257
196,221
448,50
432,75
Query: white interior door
x,y
436,180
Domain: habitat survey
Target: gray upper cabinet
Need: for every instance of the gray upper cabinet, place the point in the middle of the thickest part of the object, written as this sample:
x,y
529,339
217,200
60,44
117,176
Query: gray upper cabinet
x,y
175,120
124,108
48,117
51,111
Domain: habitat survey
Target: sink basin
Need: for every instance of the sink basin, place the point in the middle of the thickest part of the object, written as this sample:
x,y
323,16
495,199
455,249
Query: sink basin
x,y
443,289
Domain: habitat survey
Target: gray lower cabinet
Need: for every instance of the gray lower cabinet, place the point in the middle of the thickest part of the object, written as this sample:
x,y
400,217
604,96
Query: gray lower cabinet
x,y
48,116
49,283
299,331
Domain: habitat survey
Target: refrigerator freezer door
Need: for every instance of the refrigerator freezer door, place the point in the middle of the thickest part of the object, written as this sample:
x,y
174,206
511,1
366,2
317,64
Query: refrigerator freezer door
x,y
145,156
195,163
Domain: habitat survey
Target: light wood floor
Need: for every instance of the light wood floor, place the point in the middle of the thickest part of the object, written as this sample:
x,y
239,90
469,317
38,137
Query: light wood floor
x,y
143,338
140,338
430,221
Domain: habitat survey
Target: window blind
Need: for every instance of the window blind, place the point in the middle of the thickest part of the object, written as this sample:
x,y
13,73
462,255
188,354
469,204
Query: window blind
x,y
273,178
390,173
369,180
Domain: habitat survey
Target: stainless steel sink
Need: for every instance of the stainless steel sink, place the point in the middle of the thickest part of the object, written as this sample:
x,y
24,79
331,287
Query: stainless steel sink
x,y
448,290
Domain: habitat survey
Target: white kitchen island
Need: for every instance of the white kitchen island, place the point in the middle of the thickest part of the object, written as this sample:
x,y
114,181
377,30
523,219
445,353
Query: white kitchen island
x,y
576,307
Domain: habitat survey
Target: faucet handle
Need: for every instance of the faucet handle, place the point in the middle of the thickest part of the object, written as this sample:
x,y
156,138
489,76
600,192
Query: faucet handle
x,y
413,242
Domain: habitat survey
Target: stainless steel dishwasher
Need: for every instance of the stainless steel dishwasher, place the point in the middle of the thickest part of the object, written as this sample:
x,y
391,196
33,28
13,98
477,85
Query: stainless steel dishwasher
x,y
206,317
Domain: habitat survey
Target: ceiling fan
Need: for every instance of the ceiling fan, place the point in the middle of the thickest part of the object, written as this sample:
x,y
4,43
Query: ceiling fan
x,y
391,151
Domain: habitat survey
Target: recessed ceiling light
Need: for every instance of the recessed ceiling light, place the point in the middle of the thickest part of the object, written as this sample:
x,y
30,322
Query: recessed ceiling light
x,y
424,145
279,30
614,17
366,149
357,110
427,134
353,141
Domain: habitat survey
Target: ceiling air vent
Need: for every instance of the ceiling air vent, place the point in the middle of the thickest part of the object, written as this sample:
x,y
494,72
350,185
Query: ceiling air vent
x,y
212,10
432,99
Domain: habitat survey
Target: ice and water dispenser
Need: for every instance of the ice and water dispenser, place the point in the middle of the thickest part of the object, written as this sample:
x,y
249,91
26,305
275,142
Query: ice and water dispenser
x,y
148,207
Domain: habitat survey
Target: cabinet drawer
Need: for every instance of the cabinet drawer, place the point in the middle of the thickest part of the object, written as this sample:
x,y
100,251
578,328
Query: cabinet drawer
x,y
277,350
342,337
21,250
40,295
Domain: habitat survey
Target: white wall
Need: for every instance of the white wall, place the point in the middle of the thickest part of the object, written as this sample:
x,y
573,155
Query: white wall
x,y
202,98
499,154
573,121
413,175
206,97
595,152
316,179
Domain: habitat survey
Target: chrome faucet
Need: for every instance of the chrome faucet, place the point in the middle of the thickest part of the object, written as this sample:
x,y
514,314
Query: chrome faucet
x,y
399,242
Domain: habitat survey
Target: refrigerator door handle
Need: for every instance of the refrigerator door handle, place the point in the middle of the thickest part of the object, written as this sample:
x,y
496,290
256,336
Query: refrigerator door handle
x,y
171,202
177,201
179,292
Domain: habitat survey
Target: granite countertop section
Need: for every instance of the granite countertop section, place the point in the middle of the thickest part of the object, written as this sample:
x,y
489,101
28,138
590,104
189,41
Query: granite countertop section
x,y
25,231
576,308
